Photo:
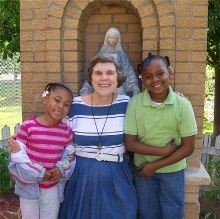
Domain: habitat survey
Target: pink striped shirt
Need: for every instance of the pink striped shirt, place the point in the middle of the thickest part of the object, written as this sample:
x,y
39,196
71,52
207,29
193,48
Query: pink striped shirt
x,y
45,144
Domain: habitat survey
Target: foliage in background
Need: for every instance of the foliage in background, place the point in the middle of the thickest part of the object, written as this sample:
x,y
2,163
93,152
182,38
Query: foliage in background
x,y
9,27
209,83
9,51
213,58
209,101
213,34
210,215
213,194
4,176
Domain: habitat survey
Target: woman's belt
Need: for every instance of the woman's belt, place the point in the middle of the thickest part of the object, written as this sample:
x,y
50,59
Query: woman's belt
x,y
100,156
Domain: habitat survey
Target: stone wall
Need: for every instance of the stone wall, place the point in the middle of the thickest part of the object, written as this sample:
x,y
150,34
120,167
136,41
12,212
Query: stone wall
x,y
59,37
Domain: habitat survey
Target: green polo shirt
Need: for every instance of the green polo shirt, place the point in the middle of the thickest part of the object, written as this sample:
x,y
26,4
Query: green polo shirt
x,y
158,124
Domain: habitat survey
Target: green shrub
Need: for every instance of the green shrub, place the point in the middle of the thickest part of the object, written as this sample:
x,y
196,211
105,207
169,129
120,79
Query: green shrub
x,y
213,194
5,180
210,215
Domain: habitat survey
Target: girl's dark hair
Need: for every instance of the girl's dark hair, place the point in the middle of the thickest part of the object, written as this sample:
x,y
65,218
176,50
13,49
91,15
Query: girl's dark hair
x,y
151,57
53,86
106,59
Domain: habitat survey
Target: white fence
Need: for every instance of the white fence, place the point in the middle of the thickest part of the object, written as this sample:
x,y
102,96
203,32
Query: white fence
x,y
211,147
6,133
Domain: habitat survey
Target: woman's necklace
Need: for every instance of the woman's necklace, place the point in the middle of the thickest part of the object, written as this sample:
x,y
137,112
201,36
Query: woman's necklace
x,y
100,133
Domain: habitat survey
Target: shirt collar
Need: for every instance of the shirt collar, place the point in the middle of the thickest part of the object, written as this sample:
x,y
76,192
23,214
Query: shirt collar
x,y
146,100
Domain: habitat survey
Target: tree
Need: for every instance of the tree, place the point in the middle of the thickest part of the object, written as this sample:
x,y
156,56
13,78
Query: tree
x,y
9,28
213,58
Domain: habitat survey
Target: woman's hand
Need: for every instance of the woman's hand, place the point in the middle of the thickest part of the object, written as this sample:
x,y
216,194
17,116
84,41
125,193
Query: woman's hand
x,y
13,144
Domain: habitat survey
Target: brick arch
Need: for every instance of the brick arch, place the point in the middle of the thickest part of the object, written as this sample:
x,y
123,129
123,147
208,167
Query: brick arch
x,y
158,25
70,17
159,28
49,53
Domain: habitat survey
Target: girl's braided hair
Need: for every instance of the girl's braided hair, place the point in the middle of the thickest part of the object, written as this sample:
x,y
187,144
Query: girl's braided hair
x,y
148,60
53,86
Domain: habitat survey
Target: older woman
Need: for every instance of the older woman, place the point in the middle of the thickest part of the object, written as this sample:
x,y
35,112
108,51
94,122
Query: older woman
x,y
101,185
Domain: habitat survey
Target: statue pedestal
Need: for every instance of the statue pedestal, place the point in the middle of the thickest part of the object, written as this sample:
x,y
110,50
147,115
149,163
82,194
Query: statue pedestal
x,y
194,179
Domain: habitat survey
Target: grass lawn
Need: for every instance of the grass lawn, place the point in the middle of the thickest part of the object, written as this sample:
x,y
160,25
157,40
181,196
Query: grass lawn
x,y
10,116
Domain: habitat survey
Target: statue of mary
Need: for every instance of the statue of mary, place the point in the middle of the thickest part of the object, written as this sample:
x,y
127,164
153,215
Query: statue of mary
x,y
112,47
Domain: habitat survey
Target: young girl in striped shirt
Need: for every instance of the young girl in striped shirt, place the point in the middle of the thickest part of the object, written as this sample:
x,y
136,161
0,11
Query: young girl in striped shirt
x,y
46,157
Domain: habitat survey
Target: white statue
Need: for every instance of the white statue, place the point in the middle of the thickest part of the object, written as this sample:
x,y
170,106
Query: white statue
x,y
112,47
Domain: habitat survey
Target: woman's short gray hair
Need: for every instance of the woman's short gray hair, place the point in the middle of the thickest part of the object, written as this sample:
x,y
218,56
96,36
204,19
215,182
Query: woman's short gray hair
x,y
106,59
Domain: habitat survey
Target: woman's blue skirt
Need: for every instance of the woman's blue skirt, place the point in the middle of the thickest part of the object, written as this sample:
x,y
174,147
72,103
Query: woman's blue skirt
x,y
99,190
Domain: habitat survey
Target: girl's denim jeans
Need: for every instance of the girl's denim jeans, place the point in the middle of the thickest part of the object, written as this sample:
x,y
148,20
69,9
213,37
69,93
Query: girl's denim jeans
x,y
161,196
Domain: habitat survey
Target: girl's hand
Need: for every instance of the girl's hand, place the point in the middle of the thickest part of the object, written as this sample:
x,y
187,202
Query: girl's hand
x,y
46,177
55,174
13,144
146,170
169,148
